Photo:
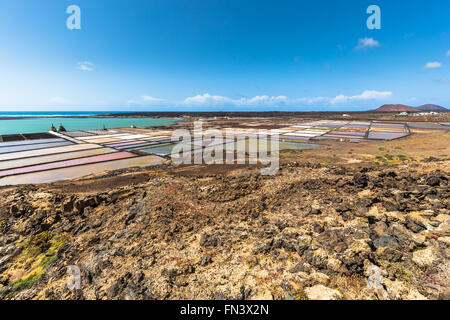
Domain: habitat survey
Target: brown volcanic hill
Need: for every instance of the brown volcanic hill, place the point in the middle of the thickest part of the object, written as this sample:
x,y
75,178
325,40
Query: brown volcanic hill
x,y
395,108
431,107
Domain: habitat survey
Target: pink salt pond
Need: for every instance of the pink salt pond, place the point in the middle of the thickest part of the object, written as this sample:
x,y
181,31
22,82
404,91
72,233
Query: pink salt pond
x,y
68,163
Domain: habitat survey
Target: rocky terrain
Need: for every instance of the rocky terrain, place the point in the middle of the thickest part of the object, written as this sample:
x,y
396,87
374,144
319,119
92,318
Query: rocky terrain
x,y
314,231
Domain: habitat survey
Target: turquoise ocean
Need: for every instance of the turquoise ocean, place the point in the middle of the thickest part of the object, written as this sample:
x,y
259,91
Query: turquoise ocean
x,y
32,122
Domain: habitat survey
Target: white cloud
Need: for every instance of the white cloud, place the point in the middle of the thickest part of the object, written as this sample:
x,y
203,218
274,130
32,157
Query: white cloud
x,y
433,65
145,100
366,95
448,53
59,100
265,100
211,100
207,99
366,43
442,80
85,66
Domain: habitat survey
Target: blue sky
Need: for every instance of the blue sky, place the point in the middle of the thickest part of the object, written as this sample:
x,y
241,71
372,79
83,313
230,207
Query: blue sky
x,y
222,55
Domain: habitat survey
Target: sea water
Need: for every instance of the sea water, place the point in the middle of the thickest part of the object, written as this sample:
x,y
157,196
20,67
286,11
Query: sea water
x,y
45,120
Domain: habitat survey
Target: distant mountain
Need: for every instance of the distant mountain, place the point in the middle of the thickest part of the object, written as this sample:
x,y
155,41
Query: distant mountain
x,y
403,108
395,108
431,107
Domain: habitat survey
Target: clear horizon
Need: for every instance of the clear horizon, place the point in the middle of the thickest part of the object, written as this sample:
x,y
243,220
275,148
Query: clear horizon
x,y
216,110
198,56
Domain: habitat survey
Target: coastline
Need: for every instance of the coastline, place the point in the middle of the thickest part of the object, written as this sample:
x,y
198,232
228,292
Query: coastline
x,y
26,125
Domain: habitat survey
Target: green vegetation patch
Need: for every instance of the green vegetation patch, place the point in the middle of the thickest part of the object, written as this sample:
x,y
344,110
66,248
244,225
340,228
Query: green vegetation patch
x,y
38,253
26,283
389,159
